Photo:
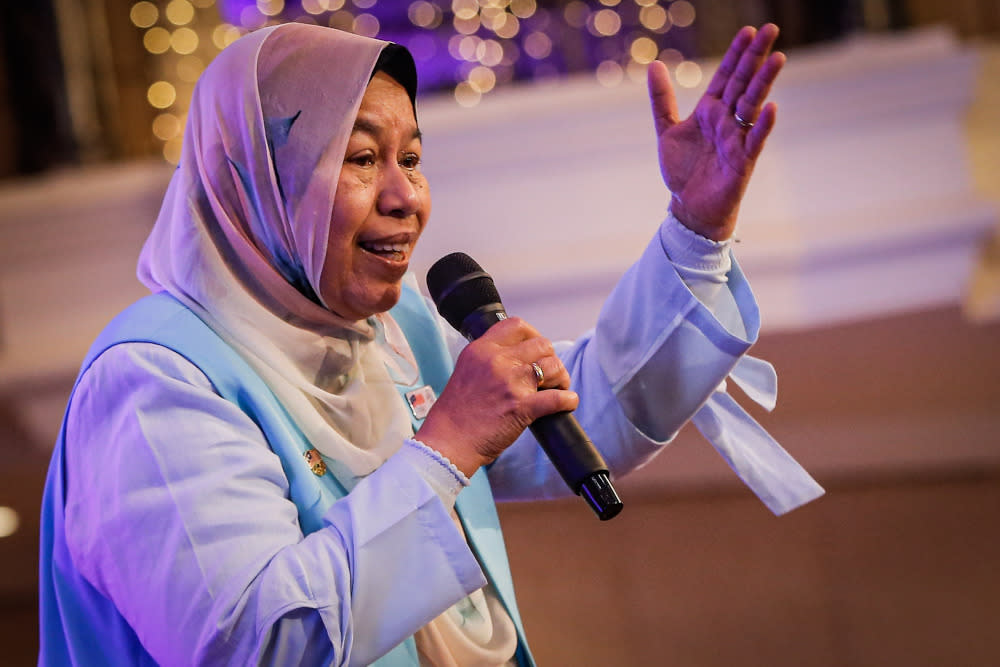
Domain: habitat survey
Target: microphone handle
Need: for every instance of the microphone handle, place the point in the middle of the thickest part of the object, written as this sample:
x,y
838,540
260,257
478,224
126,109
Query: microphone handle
x,y
562,438
576,458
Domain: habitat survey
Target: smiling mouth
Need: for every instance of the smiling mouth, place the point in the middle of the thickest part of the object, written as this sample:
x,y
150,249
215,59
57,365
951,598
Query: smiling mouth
x,y
391,251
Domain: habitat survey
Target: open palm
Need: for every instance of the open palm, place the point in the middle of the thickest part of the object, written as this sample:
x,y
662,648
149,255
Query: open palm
x,y
706,159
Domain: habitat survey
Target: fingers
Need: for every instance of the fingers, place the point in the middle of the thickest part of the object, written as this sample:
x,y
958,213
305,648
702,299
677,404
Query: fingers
x,y
758,133
527,348
550,402
730,60
548,372
748,105
661,97
749,64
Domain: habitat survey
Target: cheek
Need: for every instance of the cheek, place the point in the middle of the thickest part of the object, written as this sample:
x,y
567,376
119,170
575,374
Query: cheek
x,y
351,207
424,193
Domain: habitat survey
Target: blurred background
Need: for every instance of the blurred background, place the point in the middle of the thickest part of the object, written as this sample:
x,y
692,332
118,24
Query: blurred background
x,y
869,235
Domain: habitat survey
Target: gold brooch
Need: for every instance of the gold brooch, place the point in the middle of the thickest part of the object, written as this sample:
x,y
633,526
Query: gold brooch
x,y
316,462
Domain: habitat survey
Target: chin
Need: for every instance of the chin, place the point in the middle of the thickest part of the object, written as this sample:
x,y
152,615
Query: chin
x,y
384,300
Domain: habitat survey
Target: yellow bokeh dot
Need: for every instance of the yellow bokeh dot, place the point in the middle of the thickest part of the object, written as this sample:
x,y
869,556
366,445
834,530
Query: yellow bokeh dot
x,y
492,17
143,14
672,57
225,34
455,46
611,3
179,12
682,13
644,50
465,9
270,7
609,73
9,521
366,24
202,4
688,74
538,45
156,40
468,47
422,14
161,94
313,7
342,20
510,27
653,18
466,26
489,52
482,79
184,41
466,95
166,126
523,9
607,22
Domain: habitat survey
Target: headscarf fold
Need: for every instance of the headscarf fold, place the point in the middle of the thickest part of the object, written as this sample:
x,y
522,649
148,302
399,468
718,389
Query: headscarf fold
x,y
242,235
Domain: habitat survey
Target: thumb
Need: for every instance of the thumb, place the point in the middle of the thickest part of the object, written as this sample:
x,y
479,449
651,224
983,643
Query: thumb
x,y
661,97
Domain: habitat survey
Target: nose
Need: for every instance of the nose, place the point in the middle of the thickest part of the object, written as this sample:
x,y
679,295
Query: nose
x,y
398,196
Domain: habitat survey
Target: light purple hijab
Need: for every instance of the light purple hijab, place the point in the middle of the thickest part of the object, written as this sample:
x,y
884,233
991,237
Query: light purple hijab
x,y
242,235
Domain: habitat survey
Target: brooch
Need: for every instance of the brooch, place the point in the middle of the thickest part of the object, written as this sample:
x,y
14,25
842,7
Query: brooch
x,y
315,461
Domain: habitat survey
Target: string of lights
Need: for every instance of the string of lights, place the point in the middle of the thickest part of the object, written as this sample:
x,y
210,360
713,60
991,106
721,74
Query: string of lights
x,y
467,47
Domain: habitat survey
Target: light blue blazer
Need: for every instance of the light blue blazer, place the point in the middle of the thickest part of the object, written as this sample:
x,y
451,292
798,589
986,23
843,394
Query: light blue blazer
x,y
82,627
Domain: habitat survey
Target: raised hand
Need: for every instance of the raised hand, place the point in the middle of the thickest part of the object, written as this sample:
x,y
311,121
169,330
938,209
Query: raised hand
x,y
706,159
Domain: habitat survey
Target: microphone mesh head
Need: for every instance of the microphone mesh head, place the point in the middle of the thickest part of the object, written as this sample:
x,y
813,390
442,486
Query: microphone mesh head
x,y
458,286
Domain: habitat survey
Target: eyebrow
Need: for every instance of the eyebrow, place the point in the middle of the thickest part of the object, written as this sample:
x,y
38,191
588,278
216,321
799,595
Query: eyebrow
x,y
366,126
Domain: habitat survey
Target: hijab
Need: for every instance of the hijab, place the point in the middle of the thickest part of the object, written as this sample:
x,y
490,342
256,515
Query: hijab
x,y
242,235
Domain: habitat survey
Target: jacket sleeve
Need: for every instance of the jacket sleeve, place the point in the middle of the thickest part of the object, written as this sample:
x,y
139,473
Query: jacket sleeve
x,y
658,357
178,512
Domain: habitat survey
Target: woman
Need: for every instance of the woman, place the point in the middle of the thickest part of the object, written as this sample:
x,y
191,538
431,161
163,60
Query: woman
x,y
240,478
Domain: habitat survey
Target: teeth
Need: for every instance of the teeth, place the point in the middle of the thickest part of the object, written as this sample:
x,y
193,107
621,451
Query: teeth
x,y
389,247
386,247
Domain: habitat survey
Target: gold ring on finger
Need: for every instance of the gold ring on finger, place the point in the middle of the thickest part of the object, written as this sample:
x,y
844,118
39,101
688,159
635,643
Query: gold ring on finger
x,y
539,373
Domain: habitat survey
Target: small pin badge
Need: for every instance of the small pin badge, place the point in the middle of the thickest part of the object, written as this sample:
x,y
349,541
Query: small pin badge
x,y
420,401
315,461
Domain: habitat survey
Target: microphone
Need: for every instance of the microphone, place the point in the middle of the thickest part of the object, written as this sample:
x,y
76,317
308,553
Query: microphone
x,y
467,298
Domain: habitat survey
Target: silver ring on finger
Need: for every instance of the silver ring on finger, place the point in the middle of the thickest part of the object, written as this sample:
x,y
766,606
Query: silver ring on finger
x,y
539,373
744,123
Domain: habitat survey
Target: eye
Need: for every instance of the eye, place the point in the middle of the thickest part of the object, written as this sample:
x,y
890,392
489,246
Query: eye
x,y
363,159
409,161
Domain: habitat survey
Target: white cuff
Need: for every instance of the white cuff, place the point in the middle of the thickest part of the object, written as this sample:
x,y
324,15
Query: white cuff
x,y
443,476
692,252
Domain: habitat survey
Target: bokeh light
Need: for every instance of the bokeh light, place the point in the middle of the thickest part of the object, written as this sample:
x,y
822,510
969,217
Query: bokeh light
x,y
9,521
688,74
467,47
184,41
144,14
156,40
179,12
609,73
161,94
682,13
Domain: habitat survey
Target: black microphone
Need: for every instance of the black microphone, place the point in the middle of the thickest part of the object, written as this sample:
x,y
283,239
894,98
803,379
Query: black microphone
x,y
467,298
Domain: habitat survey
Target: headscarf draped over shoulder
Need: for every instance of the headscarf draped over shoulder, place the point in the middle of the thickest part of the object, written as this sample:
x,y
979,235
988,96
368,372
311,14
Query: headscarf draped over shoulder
x,y
241,237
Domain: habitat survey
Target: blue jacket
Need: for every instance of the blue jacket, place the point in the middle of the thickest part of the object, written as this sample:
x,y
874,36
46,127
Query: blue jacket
x,y
81,626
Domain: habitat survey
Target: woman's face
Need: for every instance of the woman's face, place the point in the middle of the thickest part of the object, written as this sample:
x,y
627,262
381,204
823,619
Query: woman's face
x,y
381,207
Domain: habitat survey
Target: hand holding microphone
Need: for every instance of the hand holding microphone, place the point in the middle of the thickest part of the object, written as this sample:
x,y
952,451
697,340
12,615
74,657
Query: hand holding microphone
x,y
497,388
